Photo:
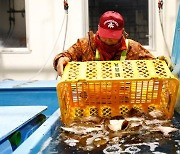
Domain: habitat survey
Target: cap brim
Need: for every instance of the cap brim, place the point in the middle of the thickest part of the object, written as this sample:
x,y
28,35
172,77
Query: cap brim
x,y
108,33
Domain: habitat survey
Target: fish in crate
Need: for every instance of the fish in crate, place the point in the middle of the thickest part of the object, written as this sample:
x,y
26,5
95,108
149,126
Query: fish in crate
x,y
102,102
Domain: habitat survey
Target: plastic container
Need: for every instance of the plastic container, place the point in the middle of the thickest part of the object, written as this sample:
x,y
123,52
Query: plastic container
x,y
112,88
15,139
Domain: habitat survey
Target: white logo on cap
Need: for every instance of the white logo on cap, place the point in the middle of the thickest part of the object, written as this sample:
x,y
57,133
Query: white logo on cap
x,y
111,23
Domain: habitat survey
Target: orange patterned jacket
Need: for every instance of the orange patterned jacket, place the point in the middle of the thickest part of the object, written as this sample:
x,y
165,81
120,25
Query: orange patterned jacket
x,y
85,50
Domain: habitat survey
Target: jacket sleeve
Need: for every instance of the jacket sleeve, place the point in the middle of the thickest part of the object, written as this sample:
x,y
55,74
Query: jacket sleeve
x,y
138,52
74,53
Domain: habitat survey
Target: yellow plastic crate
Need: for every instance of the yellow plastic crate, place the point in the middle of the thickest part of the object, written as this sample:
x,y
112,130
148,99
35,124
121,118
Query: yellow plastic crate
x,y
113,88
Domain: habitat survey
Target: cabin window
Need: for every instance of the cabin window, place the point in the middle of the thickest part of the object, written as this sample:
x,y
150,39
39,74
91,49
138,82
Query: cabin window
x,y
13,29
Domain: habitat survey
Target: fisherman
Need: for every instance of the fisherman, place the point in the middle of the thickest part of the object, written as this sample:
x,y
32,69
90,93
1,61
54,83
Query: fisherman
x,y
109,43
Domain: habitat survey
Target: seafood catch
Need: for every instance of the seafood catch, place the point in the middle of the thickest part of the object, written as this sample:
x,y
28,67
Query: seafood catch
x,y
95,132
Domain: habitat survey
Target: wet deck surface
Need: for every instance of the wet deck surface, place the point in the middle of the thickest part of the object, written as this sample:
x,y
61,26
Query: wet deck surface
x,y
139,144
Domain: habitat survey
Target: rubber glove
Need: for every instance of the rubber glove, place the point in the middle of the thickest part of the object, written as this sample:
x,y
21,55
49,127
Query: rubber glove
x,y
62,62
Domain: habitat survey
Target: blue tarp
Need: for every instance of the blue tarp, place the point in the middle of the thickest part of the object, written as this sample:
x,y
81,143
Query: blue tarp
x,y
176,46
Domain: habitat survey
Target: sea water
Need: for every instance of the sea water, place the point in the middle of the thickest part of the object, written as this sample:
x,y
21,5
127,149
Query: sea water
x,y
131,144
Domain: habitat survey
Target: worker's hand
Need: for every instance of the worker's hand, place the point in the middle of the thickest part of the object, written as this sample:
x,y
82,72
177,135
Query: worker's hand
x,y
62,62
168,62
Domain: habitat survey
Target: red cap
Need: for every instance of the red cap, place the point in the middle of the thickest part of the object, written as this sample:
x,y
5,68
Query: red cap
x,y
111,25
